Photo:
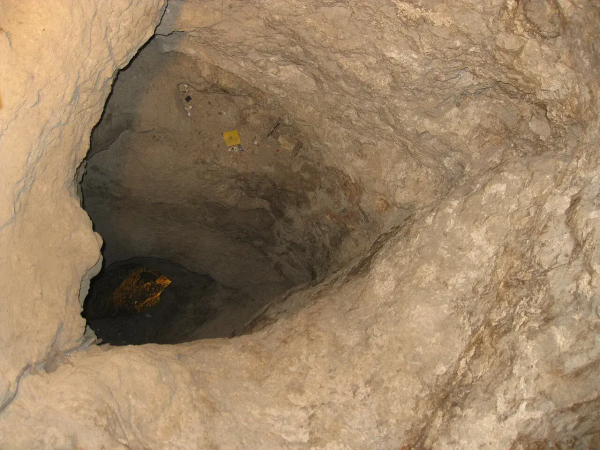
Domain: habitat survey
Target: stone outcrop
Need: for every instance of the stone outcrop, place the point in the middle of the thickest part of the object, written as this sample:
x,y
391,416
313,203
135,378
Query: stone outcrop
x,y
473,322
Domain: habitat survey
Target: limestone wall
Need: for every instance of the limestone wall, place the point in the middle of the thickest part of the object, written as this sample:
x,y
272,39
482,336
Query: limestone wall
x,y
57,62
475,324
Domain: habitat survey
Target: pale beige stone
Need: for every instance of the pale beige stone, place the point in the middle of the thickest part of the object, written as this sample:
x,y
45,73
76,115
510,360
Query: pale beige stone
x,y
56,66
473,323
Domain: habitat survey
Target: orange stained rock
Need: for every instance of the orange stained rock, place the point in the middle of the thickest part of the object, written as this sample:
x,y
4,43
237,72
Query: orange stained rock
x,y
140,290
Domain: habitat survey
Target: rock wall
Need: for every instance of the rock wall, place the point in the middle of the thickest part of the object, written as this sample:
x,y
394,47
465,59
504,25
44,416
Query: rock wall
x,y
57,62
418,94
474,324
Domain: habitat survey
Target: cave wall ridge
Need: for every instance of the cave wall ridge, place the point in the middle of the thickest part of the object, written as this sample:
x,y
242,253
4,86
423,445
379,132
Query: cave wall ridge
x,y
57,62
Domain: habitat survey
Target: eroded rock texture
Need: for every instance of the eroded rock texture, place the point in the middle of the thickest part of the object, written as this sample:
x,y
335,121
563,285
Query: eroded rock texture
x,y
160,181
474,323
56,65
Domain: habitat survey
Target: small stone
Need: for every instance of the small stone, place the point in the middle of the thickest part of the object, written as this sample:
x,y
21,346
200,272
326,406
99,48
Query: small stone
x,y
289,143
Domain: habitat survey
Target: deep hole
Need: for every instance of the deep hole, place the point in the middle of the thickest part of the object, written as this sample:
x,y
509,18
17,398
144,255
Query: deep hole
x,y
232,225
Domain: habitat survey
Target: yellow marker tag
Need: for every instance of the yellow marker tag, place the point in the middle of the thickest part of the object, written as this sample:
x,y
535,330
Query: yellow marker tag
x,y
232,138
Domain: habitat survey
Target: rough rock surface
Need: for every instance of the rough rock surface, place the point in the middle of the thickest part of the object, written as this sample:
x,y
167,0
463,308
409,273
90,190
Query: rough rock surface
x,y
161,182
56,68
474,324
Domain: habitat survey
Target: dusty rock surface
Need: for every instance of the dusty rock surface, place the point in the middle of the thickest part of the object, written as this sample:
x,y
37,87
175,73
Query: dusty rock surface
x,y
161,181
474,323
